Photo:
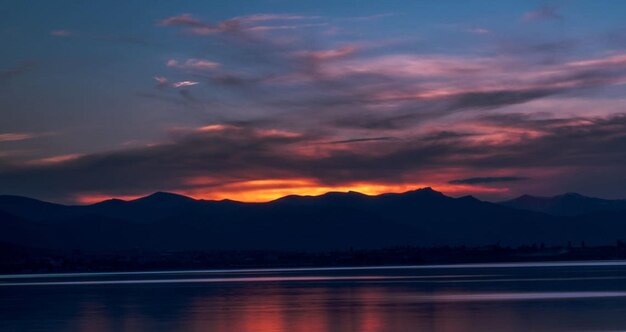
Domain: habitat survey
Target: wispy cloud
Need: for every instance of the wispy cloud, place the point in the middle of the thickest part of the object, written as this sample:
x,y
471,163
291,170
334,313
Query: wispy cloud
x,y
53,160
239,24
488,180
361,140
273,17
61,33
285,27
305,109
288,156
183,84
542,13
12,137
193,64
366,18
479,31
337,53
164,82
182,20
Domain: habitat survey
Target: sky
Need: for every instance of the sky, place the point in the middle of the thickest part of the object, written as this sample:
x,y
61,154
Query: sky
x,y
254,100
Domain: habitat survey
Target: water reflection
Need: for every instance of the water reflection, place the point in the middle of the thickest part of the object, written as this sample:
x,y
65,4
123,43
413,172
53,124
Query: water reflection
x,y
539,298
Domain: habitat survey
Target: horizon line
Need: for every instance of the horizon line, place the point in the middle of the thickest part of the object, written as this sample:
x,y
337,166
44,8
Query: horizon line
x,y
130,198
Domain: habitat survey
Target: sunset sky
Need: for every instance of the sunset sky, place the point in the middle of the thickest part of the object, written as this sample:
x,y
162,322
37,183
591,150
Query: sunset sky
x,y
253,100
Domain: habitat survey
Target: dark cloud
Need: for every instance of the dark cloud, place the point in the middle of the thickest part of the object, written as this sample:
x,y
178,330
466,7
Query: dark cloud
x,y
343,113
295,81
360,140
227,154
488,180
497,98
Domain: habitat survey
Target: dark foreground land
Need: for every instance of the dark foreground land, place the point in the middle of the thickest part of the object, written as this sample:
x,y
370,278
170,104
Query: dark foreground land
x,y
166,231
20,260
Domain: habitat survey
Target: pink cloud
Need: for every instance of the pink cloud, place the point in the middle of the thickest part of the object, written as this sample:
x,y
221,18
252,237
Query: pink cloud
x,y
183,84
161,81
12,137
164,82
337,53
239,23
193,64
442,76
479,31
368,17
272,17
542,13
284,27
55,159
182,20
61,33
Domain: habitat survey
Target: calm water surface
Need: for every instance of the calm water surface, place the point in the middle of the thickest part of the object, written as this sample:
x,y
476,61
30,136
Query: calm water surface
x,y
578,296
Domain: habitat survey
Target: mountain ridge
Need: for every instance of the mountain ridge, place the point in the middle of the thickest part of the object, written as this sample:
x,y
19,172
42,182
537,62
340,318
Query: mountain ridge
x,y
567,204
336,220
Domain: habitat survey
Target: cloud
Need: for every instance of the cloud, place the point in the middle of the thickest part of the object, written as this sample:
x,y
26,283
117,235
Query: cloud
x,y
413,89
272,17
53,159
572,147
542,13
239,24
336,53
480,31
12,137
112,38
285,27
193,64
182,20
488,180
367,18
183,84
197,27
291,107
61,33
360,140
161,81
164,82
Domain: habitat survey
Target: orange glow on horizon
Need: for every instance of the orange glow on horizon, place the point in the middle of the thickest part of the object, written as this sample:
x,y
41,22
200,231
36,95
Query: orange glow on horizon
x,y
97,198
270,189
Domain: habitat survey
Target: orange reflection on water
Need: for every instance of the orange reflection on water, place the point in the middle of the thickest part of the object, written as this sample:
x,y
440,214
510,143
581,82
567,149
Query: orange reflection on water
x,y
280,309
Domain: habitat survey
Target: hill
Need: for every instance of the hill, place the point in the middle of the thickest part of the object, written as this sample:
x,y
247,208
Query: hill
x,y
333,221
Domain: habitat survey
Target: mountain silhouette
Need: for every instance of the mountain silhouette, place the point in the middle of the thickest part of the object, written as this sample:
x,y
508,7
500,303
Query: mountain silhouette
x,y
570,204
335,220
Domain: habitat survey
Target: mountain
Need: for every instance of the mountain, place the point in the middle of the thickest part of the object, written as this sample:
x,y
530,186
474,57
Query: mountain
x,y
33,209
424,217
570,204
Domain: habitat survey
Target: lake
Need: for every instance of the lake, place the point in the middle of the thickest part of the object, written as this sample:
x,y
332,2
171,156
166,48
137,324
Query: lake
x,y
564,296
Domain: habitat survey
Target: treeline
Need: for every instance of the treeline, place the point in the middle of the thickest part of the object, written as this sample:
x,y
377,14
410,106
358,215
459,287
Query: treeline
x,y
19,260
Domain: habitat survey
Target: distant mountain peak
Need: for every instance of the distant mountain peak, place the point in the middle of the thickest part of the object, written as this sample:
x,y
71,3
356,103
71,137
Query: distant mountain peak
x,y
343,194
469,198
567,204
573,195
111,201
161,196
426,191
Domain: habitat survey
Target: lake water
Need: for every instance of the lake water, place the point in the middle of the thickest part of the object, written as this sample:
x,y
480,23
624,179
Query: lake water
x,y
574,296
